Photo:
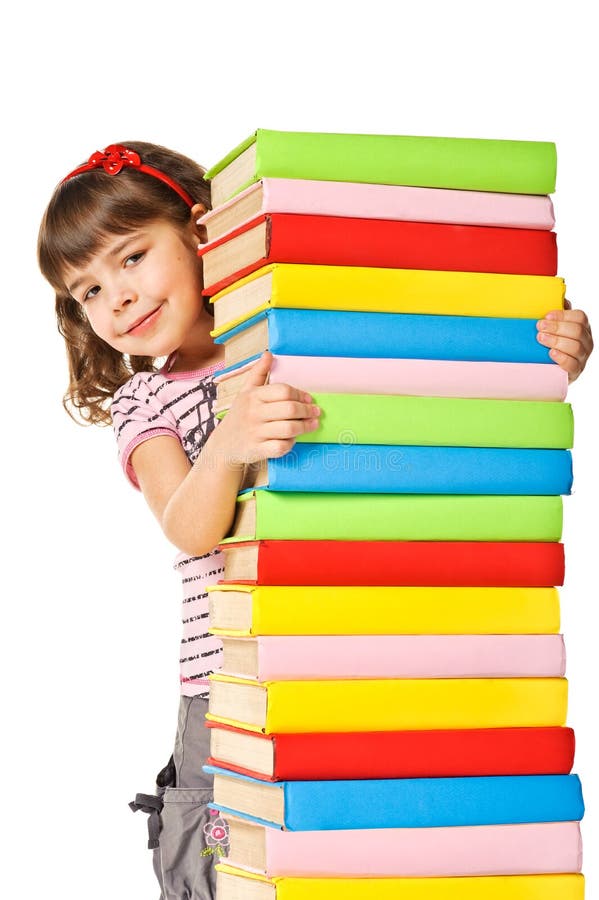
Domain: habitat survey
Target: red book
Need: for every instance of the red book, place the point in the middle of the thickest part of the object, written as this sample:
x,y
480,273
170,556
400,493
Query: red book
x,y
397,563
382,243
393,754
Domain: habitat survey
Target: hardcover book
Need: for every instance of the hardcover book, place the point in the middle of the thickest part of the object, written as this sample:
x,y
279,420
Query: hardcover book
x,y
324,756
526,849
387,469
379,243
361,289
401,802
379,201
320,657
246,610
408,377
336,333
232,884
472,164
391,704
295,515
467,563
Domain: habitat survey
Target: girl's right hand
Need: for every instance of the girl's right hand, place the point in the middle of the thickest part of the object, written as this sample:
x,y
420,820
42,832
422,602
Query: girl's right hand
x,y
265,419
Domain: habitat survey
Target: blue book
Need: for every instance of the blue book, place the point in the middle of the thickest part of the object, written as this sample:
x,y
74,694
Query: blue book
x,y
398,802
384,469
307,332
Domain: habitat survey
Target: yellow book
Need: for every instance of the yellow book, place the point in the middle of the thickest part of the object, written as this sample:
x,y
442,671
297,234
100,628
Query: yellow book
x,y
234,884
391,704
365,289
243,610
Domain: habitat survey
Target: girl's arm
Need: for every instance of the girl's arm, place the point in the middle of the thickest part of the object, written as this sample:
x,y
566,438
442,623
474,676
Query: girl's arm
x,y
195,504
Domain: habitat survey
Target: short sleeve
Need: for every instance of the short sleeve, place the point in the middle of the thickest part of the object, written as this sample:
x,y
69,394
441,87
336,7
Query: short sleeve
x,y
139,413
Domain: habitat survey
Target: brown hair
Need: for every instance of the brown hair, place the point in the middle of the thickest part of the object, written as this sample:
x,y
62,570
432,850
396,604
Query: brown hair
x,y
81,214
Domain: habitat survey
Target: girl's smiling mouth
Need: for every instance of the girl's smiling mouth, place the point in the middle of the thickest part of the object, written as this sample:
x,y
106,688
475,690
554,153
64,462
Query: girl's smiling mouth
x,y
145,322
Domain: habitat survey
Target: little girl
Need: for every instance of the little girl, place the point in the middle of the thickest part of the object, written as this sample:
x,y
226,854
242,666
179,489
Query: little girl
x,y
118,244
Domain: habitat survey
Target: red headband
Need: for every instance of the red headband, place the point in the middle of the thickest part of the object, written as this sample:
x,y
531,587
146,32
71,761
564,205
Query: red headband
x,y
115,157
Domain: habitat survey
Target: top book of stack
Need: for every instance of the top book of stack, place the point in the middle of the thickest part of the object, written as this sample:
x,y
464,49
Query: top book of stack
x,y
475,164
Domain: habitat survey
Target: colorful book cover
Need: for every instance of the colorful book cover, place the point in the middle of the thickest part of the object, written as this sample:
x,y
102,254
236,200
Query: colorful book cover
x,y
408,377
442,421
382,201
319,657
374,468
239,609
232,883
289,515
472,164
391,291
392,704
526,849
467,563
417,802
379,335
378,243
406,754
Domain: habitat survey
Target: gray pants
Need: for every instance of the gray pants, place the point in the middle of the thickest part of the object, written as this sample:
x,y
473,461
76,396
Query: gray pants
x,y
186,837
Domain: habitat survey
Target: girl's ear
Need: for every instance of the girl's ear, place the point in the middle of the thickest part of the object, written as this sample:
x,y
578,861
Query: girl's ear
x,y
199,231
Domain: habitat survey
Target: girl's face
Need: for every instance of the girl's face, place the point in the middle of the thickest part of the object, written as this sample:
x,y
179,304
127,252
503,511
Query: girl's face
x,y
141,291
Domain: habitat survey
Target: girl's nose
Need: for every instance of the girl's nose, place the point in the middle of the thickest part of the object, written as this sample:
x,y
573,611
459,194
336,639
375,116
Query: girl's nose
x,y
122,294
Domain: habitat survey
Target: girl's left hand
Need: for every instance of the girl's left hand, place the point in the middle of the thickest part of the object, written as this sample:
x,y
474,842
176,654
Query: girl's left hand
x,y
568,333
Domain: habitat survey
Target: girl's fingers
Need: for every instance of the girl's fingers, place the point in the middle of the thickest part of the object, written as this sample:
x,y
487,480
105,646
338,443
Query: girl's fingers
x,y
287,429
565,315
272,392
569,364
574,348
277,448
279,410
573,330
258,373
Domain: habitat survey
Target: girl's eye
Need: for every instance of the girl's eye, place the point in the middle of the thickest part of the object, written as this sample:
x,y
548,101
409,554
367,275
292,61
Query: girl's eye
x,y
91,292
134,258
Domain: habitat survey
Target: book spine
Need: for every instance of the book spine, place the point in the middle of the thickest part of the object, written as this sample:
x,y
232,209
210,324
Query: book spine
x,y
297,610
313,516
496,887
422,802
408,204
398,704
404,291
441,422
306,332
337,241
290,658
332,240
426,852
415,754
519,167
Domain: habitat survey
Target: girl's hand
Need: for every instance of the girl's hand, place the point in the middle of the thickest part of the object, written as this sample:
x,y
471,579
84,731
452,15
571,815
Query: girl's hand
x,y
568,333
265,419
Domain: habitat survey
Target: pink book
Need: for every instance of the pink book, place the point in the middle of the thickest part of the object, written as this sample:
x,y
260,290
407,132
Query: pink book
x,y
410,852
415,377
380,201
423,377
275,658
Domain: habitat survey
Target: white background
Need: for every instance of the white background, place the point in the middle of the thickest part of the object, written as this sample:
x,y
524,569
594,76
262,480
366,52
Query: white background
x,y
90,611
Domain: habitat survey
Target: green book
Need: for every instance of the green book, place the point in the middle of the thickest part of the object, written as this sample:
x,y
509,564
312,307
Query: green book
x,y
471,164
441,422
272,515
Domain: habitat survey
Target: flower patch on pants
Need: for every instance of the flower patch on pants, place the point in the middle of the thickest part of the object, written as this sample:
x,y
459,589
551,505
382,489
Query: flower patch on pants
x,y
216,833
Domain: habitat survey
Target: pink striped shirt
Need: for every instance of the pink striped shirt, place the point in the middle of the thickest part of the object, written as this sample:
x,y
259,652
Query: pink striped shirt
x,y
180,404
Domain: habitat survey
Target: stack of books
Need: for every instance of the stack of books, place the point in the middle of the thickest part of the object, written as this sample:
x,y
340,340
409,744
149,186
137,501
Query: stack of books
x,y
390,716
